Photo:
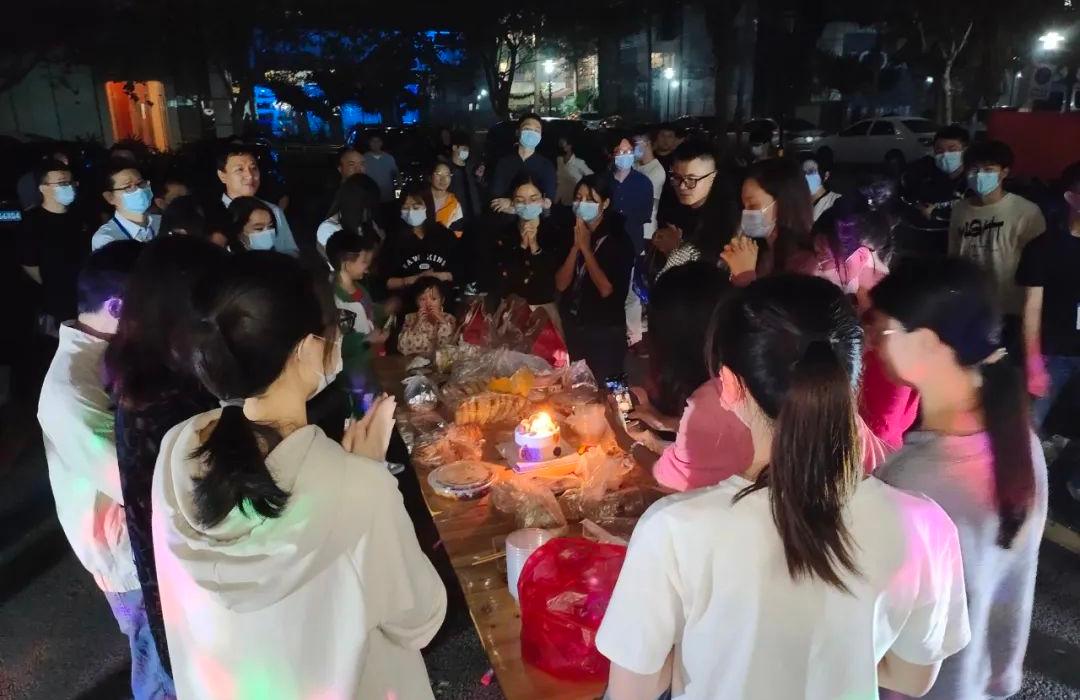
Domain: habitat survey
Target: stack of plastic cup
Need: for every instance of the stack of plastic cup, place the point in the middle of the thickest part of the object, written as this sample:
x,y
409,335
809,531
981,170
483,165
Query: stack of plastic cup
x,y
520,544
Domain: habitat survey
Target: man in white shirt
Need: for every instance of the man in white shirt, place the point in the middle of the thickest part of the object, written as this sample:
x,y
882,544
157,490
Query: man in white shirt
x,y
130,196
76,418
651,167
570,170
991,227
238,170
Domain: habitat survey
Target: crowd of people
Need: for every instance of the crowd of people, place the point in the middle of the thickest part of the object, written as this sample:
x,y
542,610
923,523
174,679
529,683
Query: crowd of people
x,y
836,392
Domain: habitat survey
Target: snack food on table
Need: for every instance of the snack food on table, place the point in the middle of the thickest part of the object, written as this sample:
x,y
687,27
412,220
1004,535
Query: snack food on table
x,y
453,444
463,480
520,382
420,394
490,407
453,394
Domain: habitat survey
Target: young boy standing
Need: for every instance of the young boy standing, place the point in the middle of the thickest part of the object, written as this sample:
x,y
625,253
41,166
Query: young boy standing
x,y
350,254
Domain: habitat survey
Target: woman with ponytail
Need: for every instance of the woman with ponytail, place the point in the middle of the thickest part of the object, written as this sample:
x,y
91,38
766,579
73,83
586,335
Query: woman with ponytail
x,y
799,577
284,558
939,331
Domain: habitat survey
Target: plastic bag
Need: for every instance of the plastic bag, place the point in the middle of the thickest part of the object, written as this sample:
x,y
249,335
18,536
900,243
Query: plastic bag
x,y
420,393
452,444
564,591
476,326
544,341
580,379
531,504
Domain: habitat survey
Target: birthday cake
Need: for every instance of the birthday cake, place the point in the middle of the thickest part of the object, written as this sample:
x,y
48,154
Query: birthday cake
x,y
538,439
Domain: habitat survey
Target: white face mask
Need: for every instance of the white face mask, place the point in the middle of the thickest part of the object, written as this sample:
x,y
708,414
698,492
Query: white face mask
x,y
325,379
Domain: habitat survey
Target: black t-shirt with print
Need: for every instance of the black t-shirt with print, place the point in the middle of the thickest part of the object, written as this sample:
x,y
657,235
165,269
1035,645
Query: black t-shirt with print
x,y
1052,261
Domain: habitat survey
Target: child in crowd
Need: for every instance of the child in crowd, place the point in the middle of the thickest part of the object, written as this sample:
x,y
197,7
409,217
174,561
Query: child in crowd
x,y
975,455
429,327
359,318
798,577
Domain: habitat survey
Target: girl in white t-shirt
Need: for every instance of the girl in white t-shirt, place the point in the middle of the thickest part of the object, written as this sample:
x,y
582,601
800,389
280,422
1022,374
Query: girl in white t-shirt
x,y
798,578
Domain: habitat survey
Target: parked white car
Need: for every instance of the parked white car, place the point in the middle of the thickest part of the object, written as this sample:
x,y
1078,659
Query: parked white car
x,y
891,140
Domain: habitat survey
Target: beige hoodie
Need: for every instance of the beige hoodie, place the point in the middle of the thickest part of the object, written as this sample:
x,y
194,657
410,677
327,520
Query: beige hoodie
x,y
333,599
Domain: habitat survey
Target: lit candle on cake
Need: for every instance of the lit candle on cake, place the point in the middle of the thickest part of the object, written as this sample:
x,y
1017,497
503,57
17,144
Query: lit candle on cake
x,y
538,439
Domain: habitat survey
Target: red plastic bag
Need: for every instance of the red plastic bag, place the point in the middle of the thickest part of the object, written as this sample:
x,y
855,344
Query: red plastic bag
x,y
564,591
476,326
549,345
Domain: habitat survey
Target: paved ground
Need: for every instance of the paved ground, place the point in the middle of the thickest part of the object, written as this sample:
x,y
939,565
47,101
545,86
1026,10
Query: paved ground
x,y
58,640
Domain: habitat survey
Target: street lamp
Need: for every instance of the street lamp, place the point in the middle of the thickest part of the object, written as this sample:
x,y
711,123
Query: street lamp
x,y
549,70
929,80
1051,41
669,73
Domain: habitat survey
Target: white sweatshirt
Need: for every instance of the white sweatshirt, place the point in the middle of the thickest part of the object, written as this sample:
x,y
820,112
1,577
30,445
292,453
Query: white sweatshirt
x,y
77,424
334,598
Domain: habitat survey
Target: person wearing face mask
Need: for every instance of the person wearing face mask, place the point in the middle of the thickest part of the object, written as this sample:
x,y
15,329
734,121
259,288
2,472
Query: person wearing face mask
x,y
251,224
775,231
528,249
420,247
463,181
263,523
593,280
238,171
571,169
992,226
632,197
799,577
148,373
130,196
523,158
51,244
1048,273
817,169
761,145
929,188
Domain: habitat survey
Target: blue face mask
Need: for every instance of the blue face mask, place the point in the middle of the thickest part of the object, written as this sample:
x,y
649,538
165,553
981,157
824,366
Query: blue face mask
x,y
529,138
137,202
587,211
261,240
414,217
984,182
813,181
529,212
754,223
65,194
639,152
624,161
949,162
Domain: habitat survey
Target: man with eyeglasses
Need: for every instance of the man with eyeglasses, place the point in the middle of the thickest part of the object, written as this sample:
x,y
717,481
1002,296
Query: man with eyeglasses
x,y
52,244
685,216
129,195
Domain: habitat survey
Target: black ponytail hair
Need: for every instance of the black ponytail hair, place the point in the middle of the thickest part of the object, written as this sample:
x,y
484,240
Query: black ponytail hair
x,y
954,298
252,316
796,346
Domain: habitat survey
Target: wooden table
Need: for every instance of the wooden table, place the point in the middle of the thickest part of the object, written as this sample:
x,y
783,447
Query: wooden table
x,y
473,534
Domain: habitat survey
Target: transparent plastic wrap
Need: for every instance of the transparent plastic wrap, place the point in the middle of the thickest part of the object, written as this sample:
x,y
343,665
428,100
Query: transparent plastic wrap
x,y
449,444
421,396
531,503
601,476
589,422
